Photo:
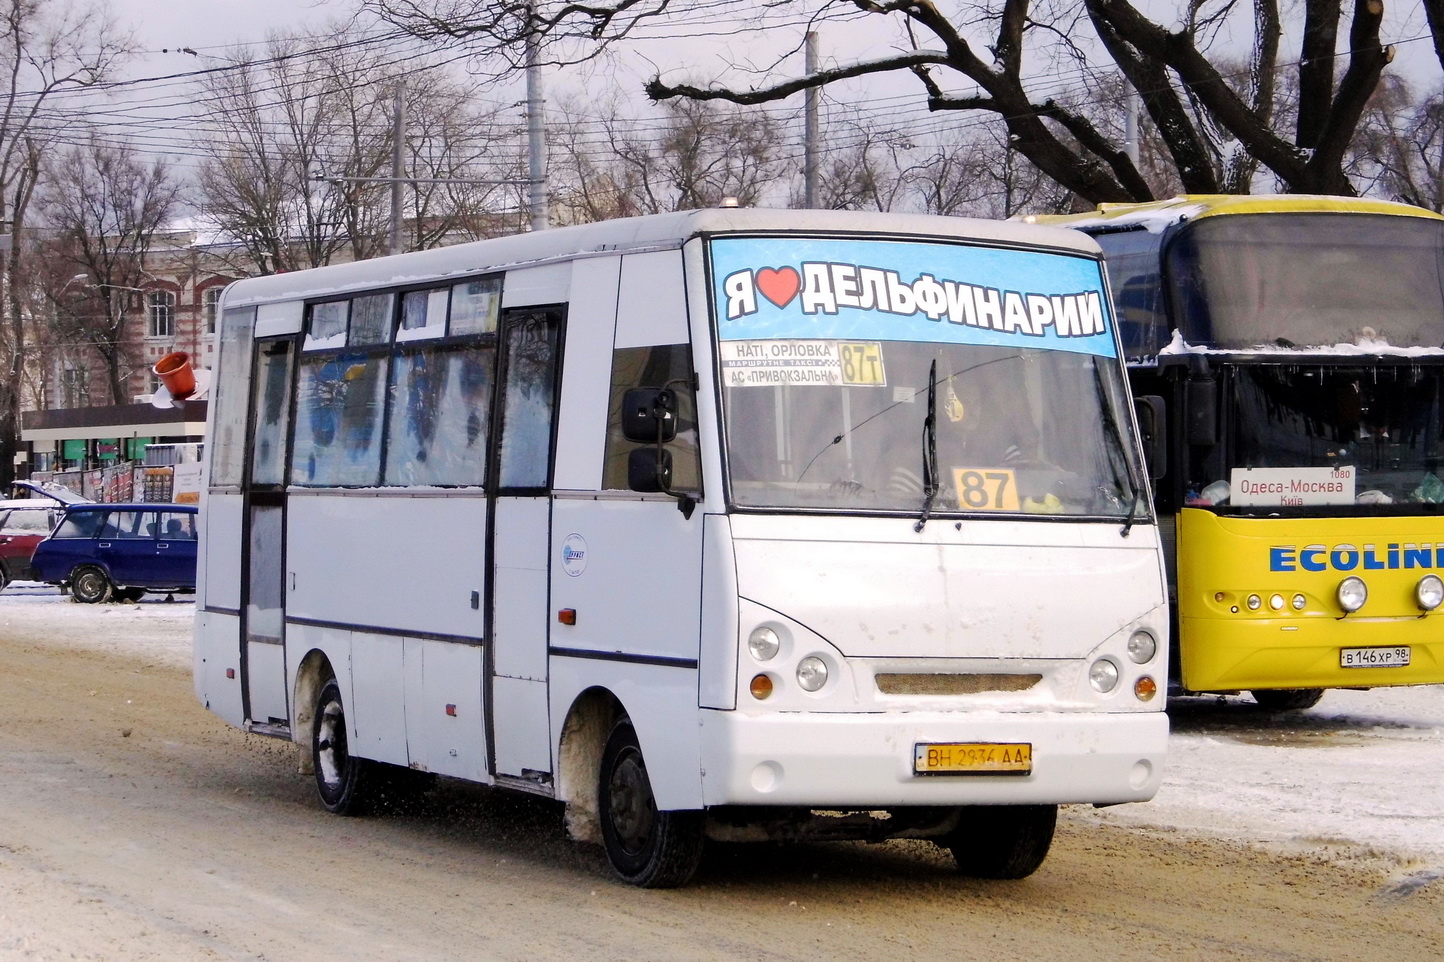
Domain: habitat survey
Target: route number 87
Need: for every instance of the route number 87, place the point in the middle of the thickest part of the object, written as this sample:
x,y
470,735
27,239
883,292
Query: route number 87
x,y
985,489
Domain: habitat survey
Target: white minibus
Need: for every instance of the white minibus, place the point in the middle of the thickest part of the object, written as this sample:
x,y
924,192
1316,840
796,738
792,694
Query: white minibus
x,y
724,524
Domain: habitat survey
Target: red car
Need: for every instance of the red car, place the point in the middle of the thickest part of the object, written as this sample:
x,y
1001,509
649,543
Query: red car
x,y
26,522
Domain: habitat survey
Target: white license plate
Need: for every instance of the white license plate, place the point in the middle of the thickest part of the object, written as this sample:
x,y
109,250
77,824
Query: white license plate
x,y
1394,656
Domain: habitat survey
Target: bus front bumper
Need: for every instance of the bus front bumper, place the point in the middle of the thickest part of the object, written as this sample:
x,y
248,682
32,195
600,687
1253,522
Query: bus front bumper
x,y
822,760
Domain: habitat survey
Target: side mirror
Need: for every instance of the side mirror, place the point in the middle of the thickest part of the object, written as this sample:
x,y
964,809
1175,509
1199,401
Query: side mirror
x,y
649,469
649,416
1153,425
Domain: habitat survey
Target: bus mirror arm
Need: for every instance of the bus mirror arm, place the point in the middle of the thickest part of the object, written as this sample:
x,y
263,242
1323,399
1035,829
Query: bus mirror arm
x,y
1153,425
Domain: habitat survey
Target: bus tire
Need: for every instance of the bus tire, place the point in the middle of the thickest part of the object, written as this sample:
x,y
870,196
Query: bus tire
x,y
646,848
1287,699
1002,841
90,586
343,781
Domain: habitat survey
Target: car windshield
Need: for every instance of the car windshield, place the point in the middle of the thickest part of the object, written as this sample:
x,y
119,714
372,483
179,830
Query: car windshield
x,y
1001,413
1309,279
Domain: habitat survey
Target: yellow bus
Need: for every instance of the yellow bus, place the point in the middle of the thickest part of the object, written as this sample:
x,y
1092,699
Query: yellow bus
x,y
1288,352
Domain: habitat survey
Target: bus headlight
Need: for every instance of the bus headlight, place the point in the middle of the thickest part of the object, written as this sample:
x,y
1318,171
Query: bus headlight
x,y
1141,647
1353,593
763,643
811,673
1103,676
1429,592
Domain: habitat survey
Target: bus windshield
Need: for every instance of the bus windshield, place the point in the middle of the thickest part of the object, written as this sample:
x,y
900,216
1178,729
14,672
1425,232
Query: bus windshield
x,y
1378,427
1009,401
1309,279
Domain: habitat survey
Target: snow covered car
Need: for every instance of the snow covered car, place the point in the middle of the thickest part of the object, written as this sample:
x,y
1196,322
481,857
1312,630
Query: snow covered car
x,y
105,551
24,523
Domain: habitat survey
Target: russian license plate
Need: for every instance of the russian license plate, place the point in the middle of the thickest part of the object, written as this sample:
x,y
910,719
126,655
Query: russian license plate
x,y
1394,656
973,758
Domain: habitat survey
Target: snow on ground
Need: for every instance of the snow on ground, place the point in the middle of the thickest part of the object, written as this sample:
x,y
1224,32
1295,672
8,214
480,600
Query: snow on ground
x,y
1361,767
1361,770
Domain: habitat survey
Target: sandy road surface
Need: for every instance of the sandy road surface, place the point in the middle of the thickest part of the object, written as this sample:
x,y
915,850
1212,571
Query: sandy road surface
x,y
134,825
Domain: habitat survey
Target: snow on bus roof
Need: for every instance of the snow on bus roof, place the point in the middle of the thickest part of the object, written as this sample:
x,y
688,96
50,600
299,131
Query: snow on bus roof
x,y
1364,346
1156,216
657,231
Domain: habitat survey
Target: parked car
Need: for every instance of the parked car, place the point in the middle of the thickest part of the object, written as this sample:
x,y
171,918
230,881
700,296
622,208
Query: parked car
x,y
104,551
24,523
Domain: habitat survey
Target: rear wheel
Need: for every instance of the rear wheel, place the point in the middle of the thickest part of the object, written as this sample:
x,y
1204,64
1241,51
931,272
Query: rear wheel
x,y
646,847
90,585
1287,699
343,781
1002,841
4,577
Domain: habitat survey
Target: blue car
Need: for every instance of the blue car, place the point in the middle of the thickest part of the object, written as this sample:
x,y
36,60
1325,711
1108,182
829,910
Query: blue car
x,y
105,551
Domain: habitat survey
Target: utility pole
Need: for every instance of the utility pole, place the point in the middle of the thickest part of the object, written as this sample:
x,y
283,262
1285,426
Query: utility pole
x,y
536,134
1130,127
398,137
809,137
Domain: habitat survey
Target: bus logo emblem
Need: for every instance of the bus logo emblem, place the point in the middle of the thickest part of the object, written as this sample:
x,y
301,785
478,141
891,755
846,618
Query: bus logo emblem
x,y
574,555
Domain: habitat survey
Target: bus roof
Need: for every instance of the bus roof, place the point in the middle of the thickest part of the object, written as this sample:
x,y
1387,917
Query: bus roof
x,y
1159,215
654,232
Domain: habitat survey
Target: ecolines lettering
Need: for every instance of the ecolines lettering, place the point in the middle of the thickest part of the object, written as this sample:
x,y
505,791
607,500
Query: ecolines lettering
x,y
1347,557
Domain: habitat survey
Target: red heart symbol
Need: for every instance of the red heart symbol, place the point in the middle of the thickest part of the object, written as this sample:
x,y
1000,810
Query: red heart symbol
x,y
779,286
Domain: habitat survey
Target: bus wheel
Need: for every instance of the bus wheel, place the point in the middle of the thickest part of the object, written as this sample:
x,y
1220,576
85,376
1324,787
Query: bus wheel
x,y
1002,841
90,586
1287,699
646,847
342,780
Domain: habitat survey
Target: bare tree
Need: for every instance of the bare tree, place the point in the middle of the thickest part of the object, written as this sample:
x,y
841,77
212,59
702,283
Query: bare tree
x,y
1401,154
105,208
298,173
693,155
282,122
1219,124
46,48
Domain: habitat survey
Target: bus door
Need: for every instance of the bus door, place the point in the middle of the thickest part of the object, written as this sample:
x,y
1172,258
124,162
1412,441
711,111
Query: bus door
x,y
263,589
520,536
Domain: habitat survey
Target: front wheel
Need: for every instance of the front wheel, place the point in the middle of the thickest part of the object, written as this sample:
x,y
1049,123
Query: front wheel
x,y
90,586
1287,699
1002,841
343,781
647,848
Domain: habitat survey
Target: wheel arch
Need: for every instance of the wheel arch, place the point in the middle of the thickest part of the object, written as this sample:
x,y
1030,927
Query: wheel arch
x,y
312,673
590,720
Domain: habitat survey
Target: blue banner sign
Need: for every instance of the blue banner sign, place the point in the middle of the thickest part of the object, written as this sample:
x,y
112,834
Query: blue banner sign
x,y
886,290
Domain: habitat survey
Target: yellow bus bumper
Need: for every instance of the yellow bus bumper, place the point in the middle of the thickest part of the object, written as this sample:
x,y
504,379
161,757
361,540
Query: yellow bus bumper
x,y
1226,646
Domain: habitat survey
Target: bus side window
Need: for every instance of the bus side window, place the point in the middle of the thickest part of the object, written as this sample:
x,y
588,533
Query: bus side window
x,y
440,408
655,367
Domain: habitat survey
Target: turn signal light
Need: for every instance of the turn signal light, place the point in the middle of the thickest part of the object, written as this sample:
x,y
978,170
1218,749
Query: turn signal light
x,y
761,686
1145,688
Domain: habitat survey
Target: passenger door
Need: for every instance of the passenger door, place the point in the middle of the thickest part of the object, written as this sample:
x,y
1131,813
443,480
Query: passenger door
x,y
520,532
263,564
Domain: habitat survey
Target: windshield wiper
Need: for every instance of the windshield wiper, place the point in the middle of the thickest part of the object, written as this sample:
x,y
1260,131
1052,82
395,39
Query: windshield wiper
x,y
930,448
